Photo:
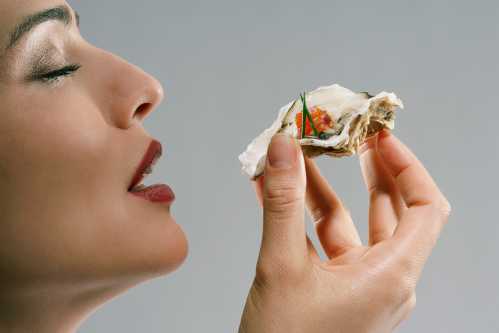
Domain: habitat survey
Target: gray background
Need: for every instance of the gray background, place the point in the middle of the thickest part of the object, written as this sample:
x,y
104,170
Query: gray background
x,y
227,66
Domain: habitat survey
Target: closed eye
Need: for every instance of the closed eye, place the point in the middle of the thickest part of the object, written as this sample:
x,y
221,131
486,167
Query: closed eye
x,y
57,74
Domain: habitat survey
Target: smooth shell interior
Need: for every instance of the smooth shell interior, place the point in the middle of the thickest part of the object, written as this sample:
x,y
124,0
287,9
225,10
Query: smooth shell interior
x,y
360,115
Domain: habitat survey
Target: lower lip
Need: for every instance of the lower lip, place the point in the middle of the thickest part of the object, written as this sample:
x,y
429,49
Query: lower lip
x,y
159,193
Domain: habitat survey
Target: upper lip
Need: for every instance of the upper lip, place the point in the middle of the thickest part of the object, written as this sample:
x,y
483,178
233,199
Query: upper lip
x,y
151,156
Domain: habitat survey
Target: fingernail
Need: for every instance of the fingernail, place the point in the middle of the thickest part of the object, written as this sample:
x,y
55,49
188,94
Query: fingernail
x,y
282,151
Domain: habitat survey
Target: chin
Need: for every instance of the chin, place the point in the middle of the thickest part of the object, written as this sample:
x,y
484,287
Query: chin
x,y
162,250
142,243
170,254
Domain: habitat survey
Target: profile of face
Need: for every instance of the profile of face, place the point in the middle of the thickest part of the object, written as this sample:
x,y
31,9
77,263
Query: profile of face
x,y
71,140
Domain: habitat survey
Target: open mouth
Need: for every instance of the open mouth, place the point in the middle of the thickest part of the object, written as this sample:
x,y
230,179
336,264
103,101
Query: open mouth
x,y
146,166
158,193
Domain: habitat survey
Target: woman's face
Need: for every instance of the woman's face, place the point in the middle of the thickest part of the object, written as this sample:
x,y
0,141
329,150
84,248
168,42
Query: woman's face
x,y
71,140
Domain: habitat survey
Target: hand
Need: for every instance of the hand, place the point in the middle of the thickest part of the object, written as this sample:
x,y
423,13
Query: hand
x,y
359,288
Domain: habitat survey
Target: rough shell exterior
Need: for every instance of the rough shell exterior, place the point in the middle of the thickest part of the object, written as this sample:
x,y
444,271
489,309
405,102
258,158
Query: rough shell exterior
x,y
357,116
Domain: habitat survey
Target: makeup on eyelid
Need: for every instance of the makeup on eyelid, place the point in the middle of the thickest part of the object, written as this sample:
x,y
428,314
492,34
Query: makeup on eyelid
x,y
42,51
45,61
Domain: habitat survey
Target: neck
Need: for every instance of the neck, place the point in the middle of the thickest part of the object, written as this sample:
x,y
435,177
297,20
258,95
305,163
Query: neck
x,y
56,309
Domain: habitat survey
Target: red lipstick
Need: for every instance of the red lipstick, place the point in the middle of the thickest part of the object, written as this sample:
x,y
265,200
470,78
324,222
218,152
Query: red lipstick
x,y
153,153
155,193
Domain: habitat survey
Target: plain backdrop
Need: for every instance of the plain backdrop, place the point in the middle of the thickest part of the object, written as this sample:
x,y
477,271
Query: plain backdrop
x,y
228,66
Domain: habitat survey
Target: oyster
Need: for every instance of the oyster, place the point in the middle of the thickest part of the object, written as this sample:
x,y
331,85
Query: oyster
x,y
330,120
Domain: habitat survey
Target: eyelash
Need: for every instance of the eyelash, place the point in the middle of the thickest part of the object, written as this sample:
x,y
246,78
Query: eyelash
x,y
58,73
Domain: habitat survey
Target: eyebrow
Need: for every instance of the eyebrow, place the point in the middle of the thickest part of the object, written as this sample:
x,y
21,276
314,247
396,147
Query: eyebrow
x,y
60,13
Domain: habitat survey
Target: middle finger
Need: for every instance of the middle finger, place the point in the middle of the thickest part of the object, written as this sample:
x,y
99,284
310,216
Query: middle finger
x,y
386,204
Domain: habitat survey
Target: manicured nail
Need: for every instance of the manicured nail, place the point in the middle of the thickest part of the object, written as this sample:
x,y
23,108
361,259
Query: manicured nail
x,y
282,151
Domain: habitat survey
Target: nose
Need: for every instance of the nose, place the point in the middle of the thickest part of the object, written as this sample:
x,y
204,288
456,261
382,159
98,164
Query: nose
x,y
127,92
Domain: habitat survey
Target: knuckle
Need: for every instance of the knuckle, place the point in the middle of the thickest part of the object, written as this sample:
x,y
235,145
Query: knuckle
x,y
445,208
281,187
408,307
376,235
442,209
271,273
405,266
263,274
280,199
399,289
411,303
406,289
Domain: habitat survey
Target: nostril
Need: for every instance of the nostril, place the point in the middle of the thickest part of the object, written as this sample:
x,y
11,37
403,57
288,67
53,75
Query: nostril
x,y
142,111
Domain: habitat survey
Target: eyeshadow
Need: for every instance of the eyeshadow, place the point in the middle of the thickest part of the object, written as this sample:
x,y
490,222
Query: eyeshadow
x,y
43,59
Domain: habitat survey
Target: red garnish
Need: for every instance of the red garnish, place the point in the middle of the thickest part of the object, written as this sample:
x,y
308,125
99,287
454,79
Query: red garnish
x,y
321,119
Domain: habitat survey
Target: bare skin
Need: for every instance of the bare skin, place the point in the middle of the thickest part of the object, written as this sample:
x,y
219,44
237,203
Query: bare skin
x,y
359,288
73,237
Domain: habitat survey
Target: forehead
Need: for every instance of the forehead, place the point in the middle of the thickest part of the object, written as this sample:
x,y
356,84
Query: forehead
x,y
12,12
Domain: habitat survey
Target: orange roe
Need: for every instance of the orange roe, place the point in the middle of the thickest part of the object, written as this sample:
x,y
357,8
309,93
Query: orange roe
x,y
322,121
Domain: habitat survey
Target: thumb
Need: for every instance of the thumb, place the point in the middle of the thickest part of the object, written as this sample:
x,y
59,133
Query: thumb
x,y
284,239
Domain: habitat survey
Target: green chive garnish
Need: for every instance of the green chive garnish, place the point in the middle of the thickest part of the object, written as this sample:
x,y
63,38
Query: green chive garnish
x,y
306,114
303,118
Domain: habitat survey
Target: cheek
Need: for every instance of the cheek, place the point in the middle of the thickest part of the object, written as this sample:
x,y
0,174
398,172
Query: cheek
x,y
55,135
69,211
53,148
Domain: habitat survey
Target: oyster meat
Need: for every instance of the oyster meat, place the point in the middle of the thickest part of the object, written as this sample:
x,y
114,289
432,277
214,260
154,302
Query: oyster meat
x,y
330,120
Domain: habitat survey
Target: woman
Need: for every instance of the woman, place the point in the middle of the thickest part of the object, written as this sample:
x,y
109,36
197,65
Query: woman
x,y
78,230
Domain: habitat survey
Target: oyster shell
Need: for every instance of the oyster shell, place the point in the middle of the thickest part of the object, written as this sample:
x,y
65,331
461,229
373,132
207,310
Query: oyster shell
x,y
337,123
